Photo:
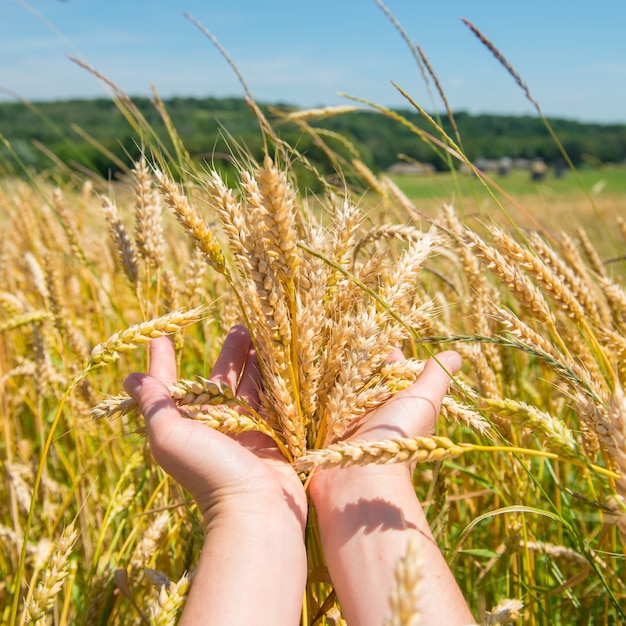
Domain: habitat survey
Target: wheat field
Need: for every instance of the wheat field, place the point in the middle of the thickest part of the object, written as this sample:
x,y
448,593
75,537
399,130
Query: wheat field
x,y
524,480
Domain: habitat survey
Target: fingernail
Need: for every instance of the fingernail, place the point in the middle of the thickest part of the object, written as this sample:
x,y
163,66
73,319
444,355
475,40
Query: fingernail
x,y
132,385
453,361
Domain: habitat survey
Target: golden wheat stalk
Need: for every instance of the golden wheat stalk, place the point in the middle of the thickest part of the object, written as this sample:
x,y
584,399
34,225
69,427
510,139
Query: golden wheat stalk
x,y
192,222
125,250
559,438
184,392
521,286
144,332
402,450
149,225
25,319
42,597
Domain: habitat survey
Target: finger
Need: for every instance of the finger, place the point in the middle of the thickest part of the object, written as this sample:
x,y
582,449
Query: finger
x,y
395,355
250,382
422,400
232,357
172,437
154,400
163,360
434,381
413,411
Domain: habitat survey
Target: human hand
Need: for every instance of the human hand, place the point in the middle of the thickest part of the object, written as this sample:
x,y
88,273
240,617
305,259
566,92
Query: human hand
x,y
409,413
246,472
413,411
368,514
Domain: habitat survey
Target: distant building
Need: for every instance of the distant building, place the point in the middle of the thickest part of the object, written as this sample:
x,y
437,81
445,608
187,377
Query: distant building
x,y
411,169
538,169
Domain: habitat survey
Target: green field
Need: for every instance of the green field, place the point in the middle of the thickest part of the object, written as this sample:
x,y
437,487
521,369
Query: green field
x,y
446,186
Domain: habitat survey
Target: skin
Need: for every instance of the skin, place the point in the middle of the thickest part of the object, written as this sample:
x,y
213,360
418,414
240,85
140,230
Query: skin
x,y
367,515
253,563
252,501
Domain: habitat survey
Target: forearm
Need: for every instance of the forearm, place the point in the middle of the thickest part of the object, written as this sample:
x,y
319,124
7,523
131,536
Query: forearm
x,y
252,570
367,516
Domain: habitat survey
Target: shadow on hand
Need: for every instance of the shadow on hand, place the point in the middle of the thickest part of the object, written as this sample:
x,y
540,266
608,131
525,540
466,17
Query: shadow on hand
x,y
369,516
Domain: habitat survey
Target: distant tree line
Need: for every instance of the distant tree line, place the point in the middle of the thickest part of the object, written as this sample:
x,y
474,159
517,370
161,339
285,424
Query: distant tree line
x,y
94,134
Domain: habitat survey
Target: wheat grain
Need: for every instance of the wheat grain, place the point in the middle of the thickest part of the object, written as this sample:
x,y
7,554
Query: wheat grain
x,y
165,609
278,213
618,433
559,438
38,277
195,226
137,334
68,226
147,547
171,291
505,612
148,223
61,315
231,214
521,286
227,420
408,450
457,412
591,253
19,478
125,250
25,319
551,282
575,277
561,553
194,277
43,596
616,298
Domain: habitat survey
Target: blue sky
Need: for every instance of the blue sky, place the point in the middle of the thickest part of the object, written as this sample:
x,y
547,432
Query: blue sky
x,y
572,54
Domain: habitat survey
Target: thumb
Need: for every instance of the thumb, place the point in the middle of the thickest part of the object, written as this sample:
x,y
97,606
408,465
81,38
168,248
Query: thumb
x,y
413,411
154,400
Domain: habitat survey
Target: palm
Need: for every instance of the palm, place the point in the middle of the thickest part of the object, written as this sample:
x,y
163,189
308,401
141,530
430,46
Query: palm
x,y
215,468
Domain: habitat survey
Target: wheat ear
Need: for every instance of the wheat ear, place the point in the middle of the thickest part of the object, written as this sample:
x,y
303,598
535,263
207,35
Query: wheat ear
x,y
42,598
137,334
125,250
403,450
192,222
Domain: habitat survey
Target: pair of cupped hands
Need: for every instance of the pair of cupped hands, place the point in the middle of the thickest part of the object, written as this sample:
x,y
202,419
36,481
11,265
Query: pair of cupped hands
x,y
223,471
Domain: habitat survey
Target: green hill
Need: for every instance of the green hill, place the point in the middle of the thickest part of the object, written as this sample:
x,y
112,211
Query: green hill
x,y
94,134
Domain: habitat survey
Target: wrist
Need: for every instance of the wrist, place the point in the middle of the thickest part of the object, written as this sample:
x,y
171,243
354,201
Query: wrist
x,y
263,510
350,483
